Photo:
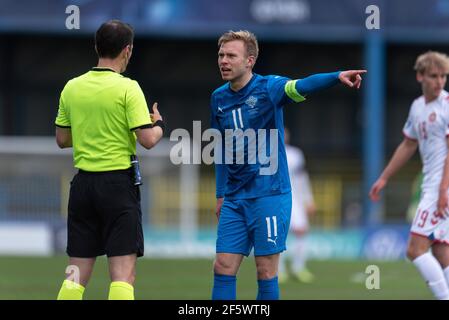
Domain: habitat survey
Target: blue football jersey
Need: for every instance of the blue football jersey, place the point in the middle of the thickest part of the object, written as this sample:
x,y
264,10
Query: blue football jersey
x,y
248,113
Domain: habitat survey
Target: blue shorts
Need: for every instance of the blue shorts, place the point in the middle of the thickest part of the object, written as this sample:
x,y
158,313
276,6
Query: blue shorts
x,y
261,223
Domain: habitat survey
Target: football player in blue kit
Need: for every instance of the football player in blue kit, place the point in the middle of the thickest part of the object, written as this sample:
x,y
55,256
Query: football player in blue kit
x,y
252,182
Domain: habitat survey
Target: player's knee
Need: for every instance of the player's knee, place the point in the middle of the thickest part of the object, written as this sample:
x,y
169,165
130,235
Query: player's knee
x,y
414,252
131,278
265,272
223,266
441,254
437,254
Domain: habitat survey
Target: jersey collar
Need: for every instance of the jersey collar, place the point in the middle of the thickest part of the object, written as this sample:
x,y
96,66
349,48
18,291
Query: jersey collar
x,y
102,69
243,90
443,96
439,100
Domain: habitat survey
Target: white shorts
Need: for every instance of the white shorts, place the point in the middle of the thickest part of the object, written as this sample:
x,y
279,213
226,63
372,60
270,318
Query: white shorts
x,y
428,223
299,219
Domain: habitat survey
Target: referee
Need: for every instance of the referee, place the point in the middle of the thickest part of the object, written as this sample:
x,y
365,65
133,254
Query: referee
x,y
101,114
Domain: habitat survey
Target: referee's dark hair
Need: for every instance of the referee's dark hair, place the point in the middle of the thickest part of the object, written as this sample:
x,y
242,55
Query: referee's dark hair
x,y
112,37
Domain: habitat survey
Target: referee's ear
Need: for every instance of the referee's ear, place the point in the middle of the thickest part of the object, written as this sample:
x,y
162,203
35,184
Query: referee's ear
x,y
96,49
128,52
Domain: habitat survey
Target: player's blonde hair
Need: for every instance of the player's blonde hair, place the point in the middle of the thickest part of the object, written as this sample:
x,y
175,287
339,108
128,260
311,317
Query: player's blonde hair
x,y
432,59
248,38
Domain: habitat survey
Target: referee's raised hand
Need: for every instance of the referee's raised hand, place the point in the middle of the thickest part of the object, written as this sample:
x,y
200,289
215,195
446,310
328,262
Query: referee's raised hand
x,y
155,115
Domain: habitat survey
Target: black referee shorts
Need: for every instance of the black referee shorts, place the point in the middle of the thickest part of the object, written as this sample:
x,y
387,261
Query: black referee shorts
x,y
104,215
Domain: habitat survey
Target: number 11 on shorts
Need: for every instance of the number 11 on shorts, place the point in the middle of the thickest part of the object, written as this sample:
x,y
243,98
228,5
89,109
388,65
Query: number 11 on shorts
x,y
275,227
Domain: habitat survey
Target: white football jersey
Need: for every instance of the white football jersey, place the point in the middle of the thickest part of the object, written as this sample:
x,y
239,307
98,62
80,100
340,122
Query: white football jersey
x,y
429,125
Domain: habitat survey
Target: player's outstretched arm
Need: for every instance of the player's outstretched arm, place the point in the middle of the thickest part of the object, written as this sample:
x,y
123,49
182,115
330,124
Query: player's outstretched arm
x,y
402,154
321,81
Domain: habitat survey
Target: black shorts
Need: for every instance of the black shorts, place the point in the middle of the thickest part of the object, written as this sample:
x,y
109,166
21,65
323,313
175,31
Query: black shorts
x,y
104,215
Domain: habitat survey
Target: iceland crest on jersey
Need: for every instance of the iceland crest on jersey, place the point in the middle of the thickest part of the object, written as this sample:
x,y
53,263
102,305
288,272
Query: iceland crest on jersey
x,y
251,101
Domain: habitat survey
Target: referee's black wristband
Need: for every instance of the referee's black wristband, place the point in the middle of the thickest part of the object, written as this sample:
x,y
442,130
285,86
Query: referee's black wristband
x,y
161,124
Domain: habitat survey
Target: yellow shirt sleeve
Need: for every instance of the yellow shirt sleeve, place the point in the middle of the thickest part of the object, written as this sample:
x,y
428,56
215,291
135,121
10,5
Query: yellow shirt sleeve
x,y
63,117
137,113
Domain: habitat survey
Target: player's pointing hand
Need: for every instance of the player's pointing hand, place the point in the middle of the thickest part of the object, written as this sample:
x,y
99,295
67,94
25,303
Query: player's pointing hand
x,y
352,78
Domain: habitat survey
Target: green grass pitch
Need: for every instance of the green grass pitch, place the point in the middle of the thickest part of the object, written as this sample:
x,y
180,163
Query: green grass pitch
x,y
40,278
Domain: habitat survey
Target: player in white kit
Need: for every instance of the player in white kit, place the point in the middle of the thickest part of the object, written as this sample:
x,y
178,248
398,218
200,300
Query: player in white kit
x,y
427,126
302,206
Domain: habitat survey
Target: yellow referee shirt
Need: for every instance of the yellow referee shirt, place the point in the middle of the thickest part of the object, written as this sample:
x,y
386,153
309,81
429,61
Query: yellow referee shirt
x,y
102,108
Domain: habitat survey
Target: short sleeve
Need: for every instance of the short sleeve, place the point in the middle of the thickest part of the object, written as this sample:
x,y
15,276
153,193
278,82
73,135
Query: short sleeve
x,y
63,118
137,112
282,90
409,130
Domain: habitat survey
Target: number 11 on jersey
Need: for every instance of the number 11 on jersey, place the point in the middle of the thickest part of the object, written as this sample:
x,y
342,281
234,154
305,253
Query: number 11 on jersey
x,y
237,117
